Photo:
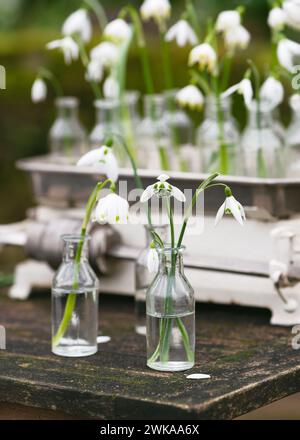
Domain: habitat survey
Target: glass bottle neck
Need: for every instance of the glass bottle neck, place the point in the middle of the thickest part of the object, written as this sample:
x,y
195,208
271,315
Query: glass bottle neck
x,y
214,106
154,106
131,100
170,261
261,117
107,111
67,107
75,249
161,230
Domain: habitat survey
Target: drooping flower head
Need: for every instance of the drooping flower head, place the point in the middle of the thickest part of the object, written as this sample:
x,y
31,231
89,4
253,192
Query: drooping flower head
x,y
237,38
231,207
118,31
106,53
78,23
228,20
68,46
112,209
272,92
244,88
190,97
288,52
111,89
102,158
94,71
158,10
152,259
277,19
182,33
204,56
162,189
38,90
292,12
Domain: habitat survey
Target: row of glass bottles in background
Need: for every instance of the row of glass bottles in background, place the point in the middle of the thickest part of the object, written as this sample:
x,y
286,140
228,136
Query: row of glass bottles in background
x,y
165,137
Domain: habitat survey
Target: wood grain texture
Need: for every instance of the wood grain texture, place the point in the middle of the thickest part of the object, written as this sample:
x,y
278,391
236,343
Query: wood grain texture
x,y
251,364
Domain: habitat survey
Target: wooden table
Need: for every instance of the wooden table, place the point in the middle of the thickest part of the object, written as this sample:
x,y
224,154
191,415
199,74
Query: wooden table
x,y
251,364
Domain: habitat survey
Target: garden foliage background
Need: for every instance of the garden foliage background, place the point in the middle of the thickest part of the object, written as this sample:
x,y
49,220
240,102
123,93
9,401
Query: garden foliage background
x,y
27,25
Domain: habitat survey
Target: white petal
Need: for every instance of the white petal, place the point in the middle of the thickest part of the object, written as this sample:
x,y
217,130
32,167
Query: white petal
x,y
38,90
78,23
91,158
163,177
272,91
178,194
220,214
198,376
152,261
147,194
233,205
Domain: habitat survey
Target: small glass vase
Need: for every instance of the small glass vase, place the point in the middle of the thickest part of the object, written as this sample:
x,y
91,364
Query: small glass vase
x,y
154,145
75,291
293,139
67,136
218,138
262,148
170,315
143,278
182,134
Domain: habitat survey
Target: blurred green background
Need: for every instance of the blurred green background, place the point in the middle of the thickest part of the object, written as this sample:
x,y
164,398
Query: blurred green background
x,y
27,25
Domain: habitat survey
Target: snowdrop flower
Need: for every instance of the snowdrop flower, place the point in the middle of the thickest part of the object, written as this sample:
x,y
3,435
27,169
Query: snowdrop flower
x,y
237,38
111,88
118,31
102,158
295,102
292,11
205,56
272,91
287,51
78,23
231,206
277,19
158,10
112,209
38,90
94,71
162,189
106,53
68,47
191,97
183,33
152,259
244,88
228,20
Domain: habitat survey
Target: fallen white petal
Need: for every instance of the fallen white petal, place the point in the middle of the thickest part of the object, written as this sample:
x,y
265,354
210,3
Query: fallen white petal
x,y
103,339
198,376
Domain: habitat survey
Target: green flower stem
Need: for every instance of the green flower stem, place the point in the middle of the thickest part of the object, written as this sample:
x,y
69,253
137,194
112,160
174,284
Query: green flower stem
x,y
193,17
99,11
46,74
226,71
71,300
166,59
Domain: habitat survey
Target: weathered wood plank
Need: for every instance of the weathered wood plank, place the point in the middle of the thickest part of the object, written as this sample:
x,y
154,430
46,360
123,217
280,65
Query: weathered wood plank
x,y
251,364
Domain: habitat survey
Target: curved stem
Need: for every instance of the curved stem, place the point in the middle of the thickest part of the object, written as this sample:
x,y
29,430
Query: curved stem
x,y
99,11
46,74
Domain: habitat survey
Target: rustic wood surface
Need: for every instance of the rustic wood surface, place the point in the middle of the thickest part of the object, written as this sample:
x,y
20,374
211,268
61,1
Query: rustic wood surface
x,y
251,364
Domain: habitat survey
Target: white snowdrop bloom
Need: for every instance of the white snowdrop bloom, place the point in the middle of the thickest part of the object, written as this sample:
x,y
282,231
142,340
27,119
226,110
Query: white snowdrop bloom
x,y
152,260
111,88
231,206
227,20
38,90
204,56
102,158
191,97
158,10
112,209
94,71
106,53
68,46
287,52
162,189
182,33
295,102
237,38
291,305
244,88
78,23
292,11
272,91
118,31
277,19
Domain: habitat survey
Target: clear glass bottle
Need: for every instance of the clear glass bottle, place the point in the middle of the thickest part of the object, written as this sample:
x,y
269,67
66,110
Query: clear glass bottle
x,y
143,278
130,119
75,302
67,136
108,122
293,139
170,315
218,138
262,149
182,134
154,146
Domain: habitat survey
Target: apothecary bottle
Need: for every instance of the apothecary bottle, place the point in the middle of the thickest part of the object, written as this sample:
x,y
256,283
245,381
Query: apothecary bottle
x,y
75,301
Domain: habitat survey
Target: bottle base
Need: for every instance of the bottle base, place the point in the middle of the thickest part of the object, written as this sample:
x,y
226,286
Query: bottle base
x,y
170,366
74,351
